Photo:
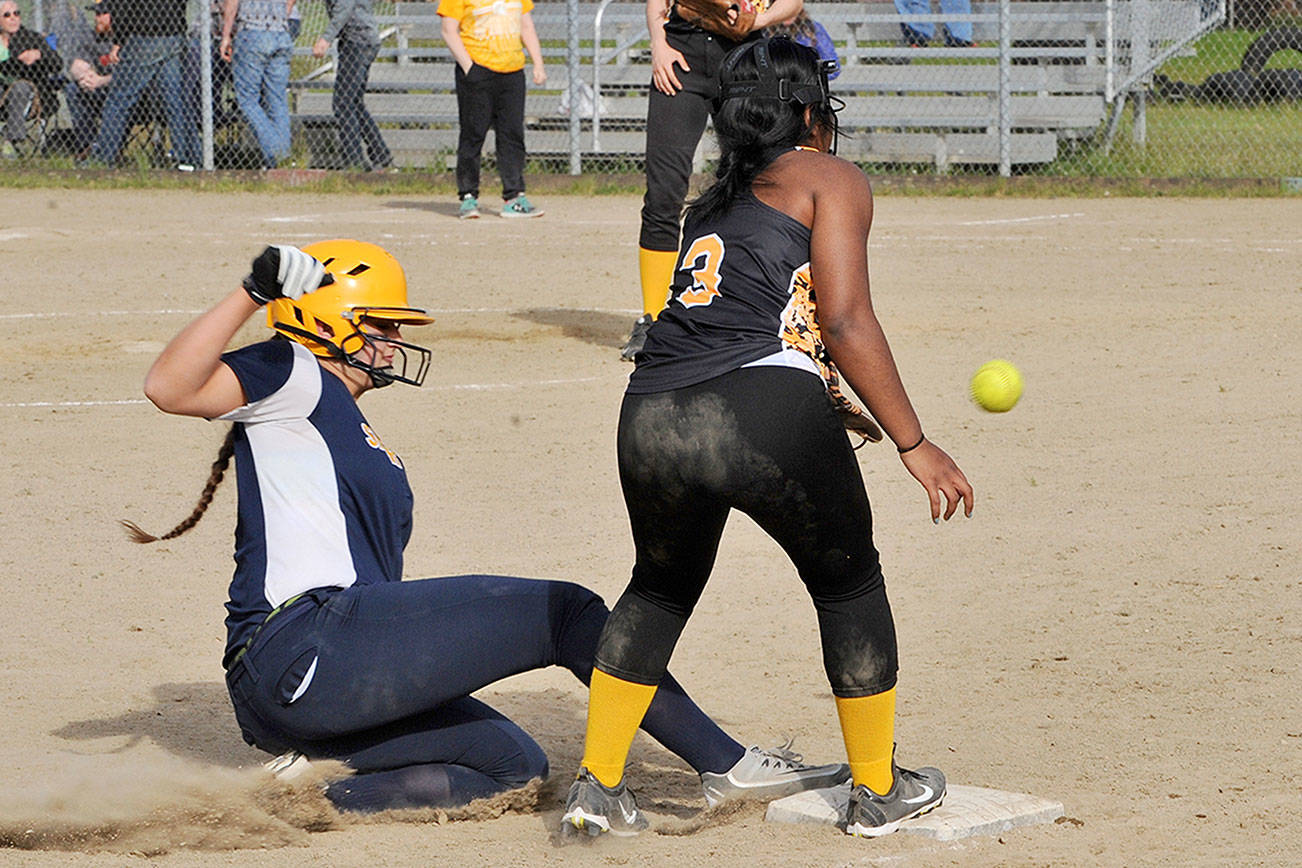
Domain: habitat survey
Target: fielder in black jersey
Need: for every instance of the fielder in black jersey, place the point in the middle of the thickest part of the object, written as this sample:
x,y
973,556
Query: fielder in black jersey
x,y
685,62
730,408
330,654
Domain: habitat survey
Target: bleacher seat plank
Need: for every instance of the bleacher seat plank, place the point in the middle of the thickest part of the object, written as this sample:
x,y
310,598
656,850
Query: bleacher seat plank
x,y
936,105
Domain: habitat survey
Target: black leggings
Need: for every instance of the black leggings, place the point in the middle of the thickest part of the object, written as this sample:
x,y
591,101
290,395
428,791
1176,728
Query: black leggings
x,y
766,441
674,126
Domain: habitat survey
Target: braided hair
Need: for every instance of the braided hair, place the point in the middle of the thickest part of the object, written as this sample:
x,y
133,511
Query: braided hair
x,y
219,466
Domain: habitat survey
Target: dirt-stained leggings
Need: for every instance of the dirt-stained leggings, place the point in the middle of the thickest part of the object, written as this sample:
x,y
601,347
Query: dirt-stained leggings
x,y
766,441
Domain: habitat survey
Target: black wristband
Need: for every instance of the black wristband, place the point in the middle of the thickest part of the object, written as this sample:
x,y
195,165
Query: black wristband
x,y
251,287
914,446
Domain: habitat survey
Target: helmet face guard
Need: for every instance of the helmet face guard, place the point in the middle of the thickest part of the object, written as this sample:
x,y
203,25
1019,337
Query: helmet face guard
x,y
769,86
368,287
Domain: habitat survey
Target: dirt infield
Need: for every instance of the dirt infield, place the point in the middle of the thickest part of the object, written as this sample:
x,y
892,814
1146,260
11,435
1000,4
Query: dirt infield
x,y
1118,627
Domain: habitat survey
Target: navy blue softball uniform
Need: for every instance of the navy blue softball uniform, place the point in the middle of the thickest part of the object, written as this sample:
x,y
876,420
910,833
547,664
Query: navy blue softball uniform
x,y
331,654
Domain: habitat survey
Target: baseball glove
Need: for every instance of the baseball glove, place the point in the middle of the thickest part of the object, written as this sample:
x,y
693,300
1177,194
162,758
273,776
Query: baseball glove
x,y
800,331
732,19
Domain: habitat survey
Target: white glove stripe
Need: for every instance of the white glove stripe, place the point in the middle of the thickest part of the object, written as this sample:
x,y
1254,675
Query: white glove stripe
x,y
299,272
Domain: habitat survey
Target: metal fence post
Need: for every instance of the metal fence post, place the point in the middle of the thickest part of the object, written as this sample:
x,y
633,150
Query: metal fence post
x,y
1005,89
572,11
1110,50
1141,14
205,86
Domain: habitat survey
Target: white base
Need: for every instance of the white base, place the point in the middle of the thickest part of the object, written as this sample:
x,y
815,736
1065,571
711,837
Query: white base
x,y
966,811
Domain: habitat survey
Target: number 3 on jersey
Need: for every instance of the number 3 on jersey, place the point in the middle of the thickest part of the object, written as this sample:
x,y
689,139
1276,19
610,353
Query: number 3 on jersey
x,y
704,258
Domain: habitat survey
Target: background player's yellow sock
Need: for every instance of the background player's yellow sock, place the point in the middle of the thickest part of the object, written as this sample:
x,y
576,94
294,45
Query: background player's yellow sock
x,y
868,727
657,270
615,711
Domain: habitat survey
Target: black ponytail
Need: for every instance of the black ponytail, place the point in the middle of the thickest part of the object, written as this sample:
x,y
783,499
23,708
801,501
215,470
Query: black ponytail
x,y
753,130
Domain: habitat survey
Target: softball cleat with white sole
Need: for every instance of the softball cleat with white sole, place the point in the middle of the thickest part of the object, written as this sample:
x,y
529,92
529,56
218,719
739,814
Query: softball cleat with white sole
x,y
912,794
770,774
595,809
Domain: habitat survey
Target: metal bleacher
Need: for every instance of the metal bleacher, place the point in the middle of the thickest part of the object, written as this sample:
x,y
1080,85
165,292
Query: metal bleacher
x,y
933,105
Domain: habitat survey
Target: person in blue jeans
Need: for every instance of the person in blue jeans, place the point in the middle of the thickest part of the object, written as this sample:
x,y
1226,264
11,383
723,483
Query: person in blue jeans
x,y
958,34
803,30
353,25
152,36
329,654
259,55
91,60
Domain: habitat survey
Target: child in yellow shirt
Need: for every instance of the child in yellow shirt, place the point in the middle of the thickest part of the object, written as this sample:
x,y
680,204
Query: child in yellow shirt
x,y
488,39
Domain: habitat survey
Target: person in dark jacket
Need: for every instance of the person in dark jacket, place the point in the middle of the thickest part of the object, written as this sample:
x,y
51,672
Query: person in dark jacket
x,y
152,36
89,52
28,69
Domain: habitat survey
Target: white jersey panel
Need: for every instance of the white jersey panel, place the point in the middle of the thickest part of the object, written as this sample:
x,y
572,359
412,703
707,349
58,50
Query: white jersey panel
x,y
305,528
306,532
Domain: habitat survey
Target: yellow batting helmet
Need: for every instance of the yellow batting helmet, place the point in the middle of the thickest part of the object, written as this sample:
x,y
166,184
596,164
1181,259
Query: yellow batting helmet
x,y
367,283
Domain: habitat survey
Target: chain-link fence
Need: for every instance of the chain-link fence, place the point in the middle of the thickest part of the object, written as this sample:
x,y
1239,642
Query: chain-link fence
x,y
1141,88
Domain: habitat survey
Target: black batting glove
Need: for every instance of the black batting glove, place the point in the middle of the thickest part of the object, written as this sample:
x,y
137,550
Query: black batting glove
x,y
282,271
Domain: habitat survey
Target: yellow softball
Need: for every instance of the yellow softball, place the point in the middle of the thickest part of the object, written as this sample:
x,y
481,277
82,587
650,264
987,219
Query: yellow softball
x,y
996,386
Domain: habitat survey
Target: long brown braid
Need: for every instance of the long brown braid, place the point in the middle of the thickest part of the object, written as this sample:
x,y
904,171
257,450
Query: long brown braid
x,y
214,479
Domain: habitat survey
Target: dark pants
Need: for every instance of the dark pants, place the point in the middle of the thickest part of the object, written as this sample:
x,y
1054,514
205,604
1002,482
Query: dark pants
x,y
349,104
148,61
674,126
15,100
379,676
766,441
86,107
490,100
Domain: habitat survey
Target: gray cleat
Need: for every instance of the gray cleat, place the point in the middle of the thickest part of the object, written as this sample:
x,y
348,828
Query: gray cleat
x,y
912,794
288,766
636,338
595,808
770,774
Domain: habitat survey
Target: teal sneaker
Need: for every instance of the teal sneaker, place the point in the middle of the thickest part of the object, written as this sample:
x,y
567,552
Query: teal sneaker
x,y
520,206
469,208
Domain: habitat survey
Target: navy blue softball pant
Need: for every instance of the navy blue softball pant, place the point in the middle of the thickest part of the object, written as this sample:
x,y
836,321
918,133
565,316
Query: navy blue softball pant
x,y
379,676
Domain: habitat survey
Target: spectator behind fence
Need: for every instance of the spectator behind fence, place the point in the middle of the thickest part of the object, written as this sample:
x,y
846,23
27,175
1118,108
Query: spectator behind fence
x,y
28,68
224,110
151,34
802,29
90,54
259,55
352,23
958,34
488,40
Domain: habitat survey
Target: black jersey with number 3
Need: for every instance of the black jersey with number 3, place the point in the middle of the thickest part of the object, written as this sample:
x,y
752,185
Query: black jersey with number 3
x,y
740,294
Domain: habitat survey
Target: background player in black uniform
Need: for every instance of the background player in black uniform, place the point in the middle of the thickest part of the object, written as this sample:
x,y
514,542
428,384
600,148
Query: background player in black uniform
x,y
684,81
329,653
725,410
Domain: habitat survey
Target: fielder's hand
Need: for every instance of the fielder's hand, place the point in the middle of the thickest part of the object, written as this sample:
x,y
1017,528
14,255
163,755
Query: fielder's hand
x,y
282,271
940,476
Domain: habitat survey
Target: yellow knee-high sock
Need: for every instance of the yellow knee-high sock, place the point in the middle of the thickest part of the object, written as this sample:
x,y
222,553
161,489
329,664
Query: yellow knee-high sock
x,y
868,727
657,270
615,711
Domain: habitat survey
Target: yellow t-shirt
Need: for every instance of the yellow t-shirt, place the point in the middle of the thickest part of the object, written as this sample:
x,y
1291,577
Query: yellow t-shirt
x,y
491,30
